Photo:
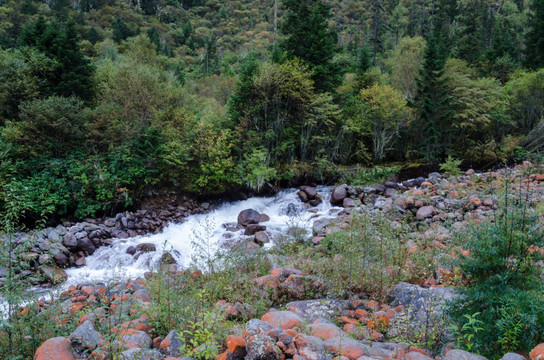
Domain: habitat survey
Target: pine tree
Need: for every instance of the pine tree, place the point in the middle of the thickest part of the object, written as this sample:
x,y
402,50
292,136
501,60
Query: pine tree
x,y
120,30
534,56
308,38
434,103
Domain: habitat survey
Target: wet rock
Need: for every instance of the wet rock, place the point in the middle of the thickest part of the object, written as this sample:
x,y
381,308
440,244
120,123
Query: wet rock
x,y
131,250
349,203
53,274
263,218
85,338
303,196
146,247
309,190
248,216
512,356
251,229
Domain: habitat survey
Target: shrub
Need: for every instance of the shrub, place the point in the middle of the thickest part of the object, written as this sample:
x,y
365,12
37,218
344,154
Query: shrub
x,y
504,279
451,166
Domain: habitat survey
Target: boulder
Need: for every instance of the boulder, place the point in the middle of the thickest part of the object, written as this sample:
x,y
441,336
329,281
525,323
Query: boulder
x,y
339,194
261,238
319,226
85,338
425,212
53,274
236,346
135,339
348,347
310,191
282,319
171,344
140,354
512,356
259,345
462,355
248,216
349,203
325,330
263,218
311,310
303,196
537,353
55,349
251,229
145,247
414,355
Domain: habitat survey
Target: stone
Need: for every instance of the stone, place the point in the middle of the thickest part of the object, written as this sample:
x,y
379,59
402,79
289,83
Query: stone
x,y
248,216
70,241
311,310
53,274
425,212
349,203
135,339
414,355
512,356
324,330
131,250
261,238
319,226
282,319
348,347
263,218
171,344
146,247
537,353
310,191
259,345
462,355
55,349
85,338
339,194
140,354
236,346
251,229
303,196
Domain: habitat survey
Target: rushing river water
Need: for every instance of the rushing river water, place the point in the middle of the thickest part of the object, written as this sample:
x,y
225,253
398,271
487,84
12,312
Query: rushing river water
x,y
112,263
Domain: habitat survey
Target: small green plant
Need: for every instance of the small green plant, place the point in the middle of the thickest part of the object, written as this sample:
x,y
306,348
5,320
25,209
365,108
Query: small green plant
x,y
451,166
367,176
465,334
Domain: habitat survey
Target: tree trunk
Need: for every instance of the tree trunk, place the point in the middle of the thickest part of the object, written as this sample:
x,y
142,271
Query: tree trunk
x,y
275,20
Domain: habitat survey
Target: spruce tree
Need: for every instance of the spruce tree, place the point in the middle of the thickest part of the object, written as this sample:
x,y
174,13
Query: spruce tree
x,y
308,37
534,55
120,30
434,103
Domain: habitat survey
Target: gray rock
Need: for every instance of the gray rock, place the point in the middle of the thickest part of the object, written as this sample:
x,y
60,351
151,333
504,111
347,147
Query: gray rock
x,y
261,238
310,191
339,194
248,216
512,356
171,344
349,203
70,241
140,354
319,226
259,345
251,229
146,247
311,310
425,212
462,355
314,349
138,338
85,338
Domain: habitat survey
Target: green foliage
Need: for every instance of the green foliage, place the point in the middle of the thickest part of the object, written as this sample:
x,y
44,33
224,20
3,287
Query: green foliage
x,y
368,176
535,38
504,279
451,166
466,333
308,38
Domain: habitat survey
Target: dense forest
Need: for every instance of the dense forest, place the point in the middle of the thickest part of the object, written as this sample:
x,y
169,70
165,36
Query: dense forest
x,y
103,101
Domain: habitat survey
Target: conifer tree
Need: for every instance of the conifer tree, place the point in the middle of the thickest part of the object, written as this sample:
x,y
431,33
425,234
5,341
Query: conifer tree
x,y
534,56
433,101
120,30
308,37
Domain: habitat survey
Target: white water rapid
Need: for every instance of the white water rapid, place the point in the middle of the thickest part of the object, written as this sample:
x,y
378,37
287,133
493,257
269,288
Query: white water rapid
x,y
114,263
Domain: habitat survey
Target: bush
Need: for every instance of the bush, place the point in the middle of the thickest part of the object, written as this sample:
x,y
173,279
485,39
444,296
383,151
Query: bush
x,y
451,166
504,280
